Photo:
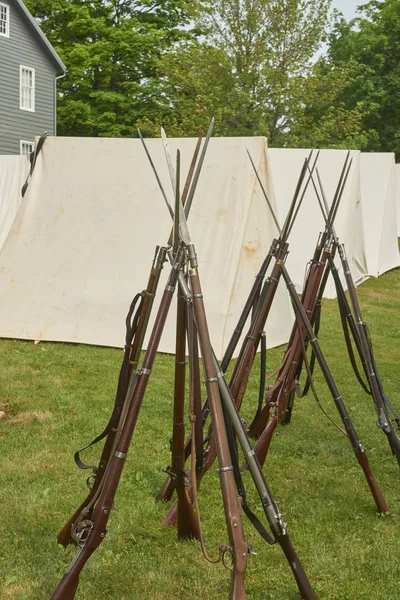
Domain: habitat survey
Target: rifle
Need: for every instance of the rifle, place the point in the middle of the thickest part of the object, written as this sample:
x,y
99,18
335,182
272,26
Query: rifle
x,y
218,390
91,532
284,382
361,337
127,381
242,369
281,392
136,332
188,525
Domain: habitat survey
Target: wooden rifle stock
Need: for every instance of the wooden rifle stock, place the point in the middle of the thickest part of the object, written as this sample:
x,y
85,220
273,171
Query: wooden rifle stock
x,y
187,521
307,593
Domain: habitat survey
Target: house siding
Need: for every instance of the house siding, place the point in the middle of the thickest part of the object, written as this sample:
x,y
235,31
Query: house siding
x,y
24,47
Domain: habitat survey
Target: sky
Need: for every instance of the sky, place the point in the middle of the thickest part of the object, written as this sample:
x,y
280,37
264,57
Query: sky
x,y
347,7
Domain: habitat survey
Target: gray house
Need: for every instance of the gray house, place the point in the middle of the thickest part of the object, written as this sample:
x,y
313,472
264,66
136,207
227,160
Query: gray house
x,y
29,67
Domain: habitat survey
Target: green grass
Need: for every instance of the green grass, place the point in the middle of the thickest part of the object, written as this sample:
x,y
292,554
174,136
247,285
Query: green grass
x,y
57,397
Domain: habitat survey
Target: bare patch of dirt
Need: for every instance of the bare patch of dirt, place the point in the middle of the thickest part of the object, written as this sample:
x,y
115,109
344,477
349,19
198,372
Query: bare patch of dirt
x,y
29,416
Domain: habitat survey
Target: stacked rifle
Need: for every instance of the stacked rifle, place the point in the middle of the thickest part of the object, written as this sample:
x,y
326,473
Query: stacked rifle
x,y
220,438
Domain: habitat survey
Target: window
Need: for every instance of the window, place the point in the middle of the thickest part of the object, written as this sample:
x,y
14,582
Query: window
x,y
27,88
4,20
26,148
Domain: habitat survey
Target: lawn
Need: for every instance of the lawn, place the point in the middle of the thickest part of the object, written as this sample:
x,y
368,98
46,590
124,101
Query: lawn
x,y
57,397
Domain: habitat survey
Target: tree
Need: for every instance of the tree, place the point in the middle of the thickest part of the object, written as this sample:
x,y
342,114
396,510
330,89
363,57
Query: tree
x,y
370,47
269,45
110,48
254,70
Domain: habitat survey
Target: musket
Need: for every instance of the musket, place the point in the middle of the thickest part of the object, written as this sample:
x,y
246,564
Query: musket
x,y
218,390
127,379
358,448
188,525
91,532
238,547
281,392
242,369
381,402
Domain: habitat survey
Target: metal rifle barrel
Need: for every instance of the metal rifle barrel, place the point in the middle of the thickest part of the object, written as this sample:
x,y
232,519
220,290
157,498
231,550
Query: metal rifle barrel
x,y
356,444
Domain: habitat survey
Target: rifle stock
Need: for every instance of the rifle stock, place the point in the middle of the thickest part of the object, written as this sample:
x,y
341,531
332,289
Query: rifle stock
x,y
187,522
307,593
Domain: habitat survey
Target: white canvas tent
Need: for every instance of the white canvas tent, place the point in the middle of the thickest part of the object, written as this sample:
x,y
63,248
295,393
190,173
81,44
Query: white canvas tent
x,y
13,172
286,165
84,238
398,198
379,205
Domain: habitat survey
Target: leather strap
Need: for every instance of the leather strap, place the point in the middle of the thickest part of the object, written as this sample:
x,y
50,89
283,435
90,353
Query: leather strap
x,y
131,326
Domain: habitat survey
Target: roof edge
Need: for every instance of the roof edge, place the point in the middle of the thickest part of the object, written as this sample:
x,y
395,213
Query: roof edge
x,y
41,35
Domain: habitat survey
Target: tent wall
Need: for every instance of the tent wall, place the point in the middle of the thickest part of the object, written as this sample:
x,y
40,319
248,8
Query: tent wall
x,y
379,205
13,172
83,241
398,198
286,165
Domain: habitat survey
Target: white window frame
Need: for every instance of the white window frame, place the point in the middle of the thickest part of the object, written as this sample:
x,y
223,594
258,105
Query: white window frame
x,y
7,21
26,143
32,107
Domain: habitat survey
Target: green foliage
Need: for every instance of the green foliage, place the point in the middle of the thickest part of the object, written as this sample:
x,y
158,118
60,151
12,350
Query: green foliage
x,y
248,67
249,63
320,118
110,48
370,48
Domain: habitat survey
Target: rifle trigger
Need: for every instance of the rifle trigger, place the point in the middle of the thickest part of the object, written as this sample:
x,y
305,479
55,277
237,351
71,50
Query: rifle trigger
x,y
250,550
90,481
